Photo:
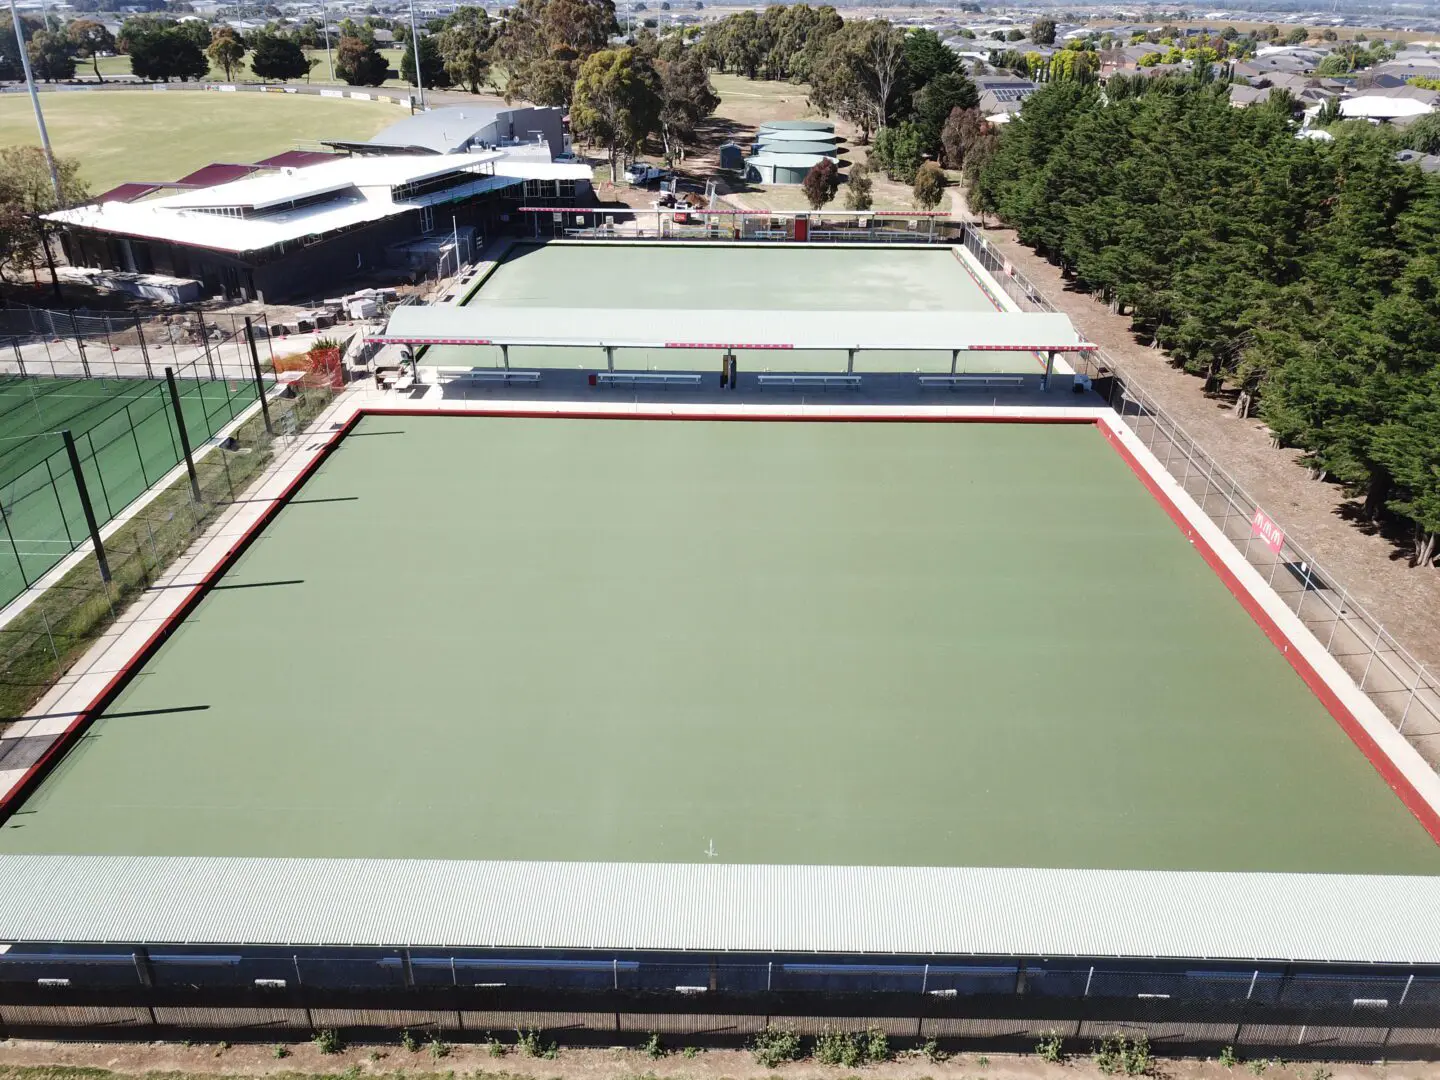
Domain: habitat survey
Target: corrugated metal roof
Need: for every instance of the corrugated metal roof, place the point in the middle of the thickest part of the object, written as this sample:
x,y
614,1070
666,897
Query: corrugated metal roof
x,y
442,130
217,173
785,161
671,328
718,907
798,135
764,146
295,159
797,125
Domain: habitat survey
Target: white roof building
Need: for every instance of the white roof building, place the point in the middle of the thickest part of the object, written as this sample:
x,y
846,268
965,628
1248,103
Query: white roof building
x,y
260,212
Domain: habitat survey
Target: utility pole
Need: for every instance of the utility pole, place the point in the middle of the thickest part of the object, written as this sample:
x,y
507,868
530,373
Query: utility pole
x,y
414,51
35,101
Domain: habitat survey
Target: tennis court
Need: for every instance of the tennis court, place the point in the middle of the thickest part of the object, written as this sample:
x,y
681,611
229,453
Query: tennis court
x,y
125,435
758,642
736,278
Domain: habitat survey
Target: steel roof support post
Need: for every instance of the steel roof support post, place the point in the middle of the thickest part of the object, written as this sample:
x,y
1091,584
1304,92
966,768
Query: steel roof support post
x,y
1049,370
609,357
505,356
850,360
954,360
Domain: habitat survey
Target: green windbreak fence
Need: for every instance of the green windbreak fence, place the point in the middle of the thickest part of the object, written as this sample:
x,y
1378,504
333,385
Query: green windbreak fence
x,y
126,436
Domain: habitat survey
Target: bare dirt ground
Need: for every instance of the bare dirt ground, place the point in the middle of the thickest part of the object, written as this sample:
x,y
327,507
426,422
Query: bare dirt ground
x,y
1317,515
23,1060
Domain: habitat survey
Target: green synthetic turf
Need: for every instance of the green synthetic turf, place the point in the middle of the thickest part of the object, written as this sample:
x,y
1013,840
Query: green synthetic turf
x,y
125,435
731,277
841,643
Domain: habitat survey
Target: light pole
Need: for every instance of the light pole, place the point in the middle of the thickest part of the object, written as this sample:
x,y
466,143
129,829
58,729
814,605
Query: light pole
x,y
414,51
35,101
325,29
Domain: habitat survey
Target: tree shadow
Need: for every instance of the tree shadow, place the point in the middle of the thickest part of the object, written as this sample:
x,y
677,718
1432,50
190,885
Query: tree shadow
x,y
1386,526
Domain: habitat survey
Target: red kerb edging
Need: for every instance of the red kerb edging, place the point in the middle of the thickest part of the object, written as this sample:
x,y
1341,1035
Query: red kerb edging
x,y
37,772
1398,782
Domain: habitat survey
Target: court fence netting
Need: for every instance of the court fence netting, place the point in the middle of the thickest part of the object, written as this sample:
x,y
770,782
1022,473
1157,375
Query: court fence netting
x,y
129,444
1394,680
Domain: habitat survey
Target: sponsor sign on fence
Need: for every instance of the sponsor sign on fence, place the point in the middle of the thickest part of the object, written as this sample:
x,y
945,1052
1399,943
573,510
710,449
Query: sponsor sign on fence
x,y
1267,530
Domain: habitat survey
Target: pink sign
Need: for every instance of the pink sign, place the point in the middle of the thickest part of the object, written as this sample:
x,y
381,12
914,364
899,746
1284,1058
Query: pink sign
x,y
1267,530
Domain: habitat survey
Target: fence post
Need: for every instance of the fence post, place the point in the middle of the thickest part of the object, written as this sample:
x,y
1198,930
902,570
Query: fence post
x,y
85,505
19,356
144,349
259,382
1404,716
205,343
184,438
19,565
139,457
79,344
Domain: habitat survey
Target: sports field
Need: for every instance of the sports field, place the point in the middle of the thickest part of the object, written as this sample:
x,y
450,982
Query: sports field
x,y
858,643
125,435
731,278
144,135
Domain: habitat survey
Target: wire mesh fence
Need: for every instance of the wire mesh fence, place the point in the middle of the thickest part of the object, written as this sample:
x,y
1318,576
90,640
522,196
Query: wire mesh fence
x,y
61,344
583,996
1394,680
121,458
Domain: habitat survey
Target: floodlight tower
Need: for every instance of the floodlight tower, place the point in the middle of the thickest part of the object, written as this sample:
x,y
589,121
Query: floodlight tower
x,y
35,101
414,51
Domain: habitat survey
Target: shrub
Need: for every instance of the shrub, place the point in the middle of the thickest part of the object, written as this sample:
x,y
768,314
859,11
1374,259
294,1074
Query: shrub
x,y
929,189
689,1053
838,1048
1123,1055
408,1040
932,1051
899,151
875,1046
327,1042
438,1049
775,1046
653,1047
530,1044
1051,1047
1228,1057
495,1046
278,1051
859,192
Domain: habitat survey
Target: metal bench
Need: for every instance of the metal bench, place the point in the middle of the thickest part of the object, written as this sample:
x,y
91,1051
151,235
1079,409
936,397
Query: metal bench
x,y
500,375
967,382
647,378
839,382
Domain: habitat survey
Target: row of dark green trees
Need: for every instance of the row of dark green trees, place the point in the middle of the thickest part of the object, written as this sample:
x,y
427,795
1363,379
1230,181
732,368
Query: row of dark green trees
x,y
1303,277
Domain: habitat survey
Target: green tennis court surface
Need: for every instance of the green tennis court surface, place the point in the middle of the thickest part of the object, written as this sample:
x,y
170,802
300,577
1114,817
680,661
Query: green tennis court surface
x,y
772,280
859,643
125,435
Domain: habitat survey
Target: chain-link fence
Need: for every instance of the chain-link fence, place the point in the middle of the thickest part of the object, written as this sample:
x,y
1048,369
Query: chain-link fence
x,y
120,459
586,996
60,344
1396,681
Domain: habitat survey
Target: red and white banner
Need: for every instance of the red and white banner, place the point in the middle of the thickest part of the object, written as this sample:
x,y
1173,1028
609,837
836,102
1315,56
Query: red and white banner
x,y
1267,530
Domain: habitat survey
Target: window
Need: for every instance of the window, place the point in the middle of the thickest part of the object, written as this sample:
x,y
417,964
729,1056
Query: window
x,y
567,189
427,219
